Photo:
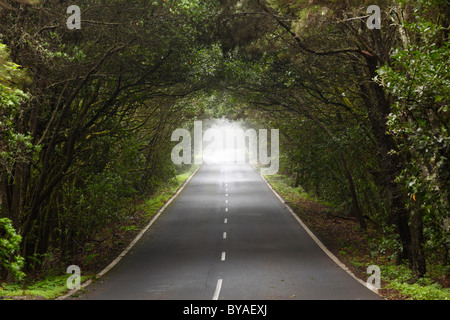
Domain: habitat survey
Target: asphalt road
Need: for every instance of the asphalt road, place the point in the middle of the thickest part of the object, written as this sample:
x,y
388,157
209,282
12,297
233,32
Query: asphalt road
x,y
227,237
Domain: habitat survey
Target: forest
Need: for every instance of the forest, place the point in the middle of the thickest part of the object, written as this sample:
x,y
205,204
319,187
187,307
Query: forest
x,y
86,115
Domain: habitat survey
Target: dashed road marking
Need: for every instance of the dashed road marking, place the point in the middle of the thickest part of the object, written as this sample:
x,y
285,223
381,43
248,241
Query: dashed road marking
x,y
218,288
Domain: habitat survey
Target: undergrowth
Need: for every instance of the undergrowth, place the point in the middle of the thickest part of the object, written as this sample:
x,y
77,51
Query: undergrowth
x,y
398,281
49,287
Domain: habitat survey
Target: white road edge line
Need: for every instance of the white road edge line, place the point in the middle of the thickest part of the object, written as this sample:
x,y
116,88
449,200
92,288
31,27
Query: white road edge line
x,y
218,288
317,241
125,251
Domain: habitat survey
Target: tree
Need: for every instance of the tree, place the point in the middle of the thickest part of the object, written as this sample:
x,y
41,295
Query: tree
x,y
100,95
418,79
341,54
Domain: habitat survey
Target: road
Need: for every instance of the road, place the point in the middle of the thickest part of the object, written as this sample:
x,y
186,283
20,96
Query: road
x,y
226,237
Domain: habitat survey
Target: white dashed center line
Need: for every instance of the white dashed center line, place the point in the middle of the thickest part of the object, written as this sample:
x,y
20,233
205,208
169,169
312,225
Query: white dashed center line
x,y
217,292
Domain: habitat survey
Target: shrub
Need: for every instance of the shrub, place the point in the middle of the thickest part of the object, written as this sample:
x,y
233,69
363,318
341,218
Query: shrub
x,y
11,262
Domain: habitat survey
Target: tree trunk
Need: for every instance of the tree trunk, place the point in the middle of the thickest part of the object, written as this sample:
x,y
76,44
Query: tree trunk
x,y
418,264
356,208
378,108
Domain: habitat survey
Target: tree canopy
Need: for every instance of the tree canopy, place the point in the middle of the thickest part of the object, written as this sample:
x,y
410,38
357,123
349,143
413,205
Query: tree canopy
x,y
87,114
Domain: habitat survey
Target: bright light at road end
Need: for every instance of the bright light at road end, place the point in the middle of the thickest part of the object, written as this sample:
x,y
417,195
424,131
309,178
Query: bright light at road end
x,y
219,156
221,141
222,144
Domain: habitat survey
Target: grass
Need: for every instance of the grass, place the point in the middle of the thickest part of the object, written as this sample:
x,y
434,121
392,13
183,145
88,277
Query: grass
x,y
344,239
400,278
285,188
418,291
54,286
152,205
46,289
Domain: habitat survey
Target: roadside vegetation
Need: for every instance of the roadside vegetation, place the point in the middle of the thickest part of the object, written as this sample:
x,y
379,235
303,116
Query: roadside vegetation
x,y
98,254
340,232
86,118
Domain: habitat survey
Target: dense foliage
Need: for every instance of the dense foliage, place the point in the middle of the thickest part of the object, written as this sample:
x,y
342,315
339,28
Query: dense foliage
x,y
419,119
363,113
86,115
88,131
11,261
